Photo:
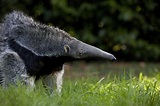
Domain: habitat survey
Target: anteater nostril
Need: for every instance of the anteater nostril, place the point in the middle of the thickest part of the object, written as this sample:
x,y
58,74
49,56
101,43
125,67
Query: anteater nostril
x,y
114,59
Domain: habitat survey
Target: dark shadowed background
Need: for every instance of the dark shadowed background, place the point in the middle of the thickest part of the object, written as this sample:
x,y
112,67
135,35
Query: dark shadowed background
x,y
130,29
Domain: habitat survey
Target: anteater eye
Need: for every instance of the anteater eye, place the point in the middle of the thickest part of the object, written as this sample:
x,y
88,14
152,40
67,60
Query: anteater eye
x,y
80,53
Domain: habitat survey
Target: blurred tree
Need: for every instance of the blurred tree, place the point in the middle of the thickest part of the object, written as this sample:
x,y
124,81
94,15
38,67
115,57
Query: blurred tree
x,y
129,28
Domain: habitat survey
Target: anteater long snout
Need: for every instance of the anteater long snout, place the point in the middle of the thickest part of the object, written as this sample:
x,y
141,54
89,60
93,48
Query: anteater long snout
x,y
94,52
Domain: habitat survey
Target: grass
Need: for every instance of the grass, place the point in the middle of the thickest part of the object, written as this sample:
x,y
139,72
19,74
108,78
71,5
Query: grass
x,y
125,89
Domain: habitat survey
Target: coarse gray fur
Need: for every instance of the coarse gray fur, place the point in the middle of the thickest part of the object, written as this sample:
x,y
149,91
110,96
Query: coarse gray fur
x,y
31,49
32,35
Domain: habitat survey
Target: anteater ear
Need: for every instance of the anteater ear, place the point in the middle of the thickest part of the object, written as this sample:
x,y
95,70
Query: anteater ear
x,y
66,48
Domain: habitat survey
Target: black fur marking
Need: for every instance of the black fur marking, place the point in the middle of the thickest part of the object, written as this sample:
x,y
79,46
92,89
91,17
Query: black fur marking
x,y
38,65
1,77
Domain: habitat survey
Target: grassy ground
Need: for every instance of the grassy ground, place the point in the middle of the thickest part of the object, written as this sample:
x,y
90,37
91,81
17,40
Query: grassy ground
x,y
105,84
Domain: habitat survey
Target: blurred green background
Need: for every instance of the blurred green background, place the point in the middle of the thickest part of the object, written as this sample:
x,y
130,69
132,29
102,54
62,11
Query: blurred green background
x,y
127,28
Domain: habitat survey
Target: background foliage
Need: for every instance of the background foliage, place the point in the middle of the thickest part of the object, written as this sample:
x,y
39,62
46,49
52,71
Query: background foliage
x,y
127,28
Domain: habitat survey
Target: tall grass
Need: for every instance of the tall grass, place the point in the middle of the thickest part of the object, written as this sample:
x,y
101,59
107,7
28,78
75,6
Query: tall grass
x,y
125,90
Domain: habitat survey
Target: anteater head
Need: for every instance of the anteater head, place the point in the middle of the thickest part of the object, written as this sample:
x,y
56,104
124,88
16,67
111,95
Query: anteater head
x,y
81,50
